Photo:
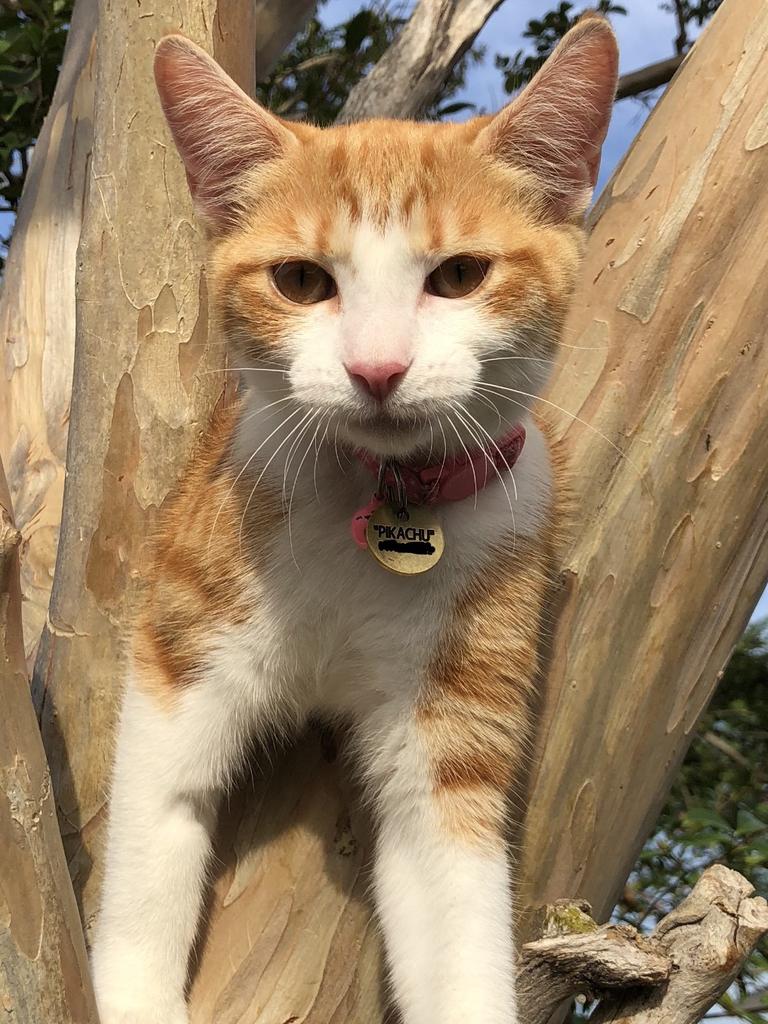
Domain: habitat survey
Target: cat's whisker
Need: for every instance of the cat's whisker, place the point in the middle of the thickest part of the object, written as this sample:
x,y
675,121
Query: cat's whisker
x,y
554,405
529,359
317,451
336,445
260,477
250,459
296,480
262,409
503,458
246,369
431,441
484,398
466,452
289,457
445,444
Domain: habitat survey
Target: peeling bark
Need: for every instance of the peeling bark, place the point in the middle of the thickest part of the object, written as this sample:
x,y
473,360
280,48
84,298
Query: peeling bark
x,y
143,389
666,377
37,304
37,319
43,966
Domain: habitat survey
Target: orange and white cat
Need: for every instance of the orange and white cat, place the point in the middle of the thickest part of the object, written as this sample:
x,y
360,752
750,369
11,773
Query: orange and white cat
x,y
392,294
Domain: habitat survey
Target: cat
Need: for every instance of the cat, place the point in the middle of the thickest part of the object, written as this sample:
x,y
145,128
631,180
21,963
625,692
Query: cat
x,y
392,295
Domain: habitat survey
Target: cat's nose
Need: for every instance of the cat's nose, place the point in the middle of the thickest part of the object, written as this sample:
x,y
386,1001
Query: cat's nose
x,y
377,380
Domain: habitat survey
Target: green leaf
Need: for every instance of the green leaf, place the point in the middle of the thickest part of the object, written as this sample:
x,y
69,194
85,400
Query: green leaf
x,y
17,78
705,817
747,823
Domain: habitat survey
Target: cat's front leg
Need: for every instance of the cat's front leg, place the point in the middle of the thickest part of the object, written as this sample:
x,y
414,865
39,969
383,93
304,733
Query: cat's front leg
x,y
442,874
175,751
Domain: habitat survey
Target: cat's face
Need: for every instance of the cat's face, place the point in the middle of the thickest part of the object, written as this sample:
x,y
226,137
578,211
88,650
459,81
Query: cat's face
x,y
410,279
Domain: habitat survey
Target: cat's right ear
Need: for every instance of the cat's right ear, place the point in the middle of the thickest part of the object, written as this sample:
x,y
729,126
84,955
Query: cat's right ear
x,y
218,130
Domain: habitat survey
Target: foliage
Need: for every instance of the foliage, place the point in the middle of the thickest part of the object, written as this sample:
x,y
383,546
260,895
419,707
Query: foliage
x,y
318,72
717,812
32,37
687,12
545,33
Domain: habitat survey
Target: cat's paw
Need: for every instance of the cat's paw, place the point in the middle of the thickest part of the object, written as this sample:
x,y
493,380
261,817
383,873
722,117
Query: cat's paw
x,y
143,1014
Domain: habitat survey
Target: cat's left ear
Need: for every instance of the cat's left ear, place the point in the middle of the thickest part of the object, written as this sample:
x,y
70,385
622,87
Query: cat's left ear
x,y
219,131
556,127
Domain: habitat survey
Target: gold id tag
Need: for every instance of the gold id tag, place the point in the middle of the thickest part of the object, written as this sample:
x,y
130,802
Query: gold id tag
x,y
406,546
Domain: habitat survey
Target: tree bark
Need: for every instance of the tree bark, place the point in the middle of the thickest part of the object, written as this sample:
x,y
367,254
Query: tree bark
x,y
671,552
37,304
411,72
43,965
143,389
37,319
673,976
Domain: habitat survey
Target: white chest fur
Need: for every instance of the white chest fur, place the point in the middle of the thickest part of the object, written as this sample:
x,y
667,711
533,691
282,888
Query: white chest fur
x,y
331,625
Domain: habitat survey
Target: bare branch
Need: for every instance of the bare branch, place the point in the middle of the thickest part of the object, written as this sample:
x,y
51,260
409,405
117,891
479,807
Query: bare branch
x,y
411,72
671,977
650,77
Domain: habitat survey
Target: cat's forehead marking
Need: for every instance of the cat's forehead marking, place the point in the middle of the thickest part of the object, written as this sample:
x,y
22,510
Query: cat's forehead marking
x,y
382,171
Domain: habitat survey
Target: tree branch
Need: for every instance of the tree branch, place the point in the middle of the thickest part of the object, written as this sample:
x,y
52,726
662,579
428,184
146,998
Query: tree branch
x,y
671,977
409,75
650,77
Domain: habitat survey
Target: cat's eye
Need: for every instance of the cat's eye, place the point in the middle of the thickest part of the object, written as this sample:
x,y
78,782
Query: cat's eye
x,y
303,282
457,276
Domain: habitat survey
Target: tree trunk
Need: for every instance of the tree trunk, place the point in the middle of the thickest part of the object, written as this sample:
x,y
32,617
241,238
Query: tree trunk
x,y
289,933
666,376
37,320
43,966
143,390
37,304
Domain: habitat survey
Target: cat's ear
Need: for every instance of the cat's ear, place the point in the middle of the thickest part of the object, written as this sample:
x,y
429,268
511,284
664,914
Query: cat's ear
x,y
555,128
218,130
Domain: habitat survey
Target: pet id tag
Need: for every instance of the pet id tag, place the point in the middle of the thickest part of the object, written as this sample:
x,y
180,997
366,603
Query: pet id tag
x,y
407,546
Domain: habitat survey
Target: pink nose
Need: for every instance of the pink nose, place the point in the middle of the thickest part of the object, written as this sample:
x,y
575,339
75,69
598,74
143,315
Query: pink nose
x,y
378,380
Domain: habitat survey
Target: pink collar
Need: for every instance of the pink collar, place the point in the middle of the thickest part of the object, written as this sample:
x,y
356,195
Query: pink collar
x,y
452,480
